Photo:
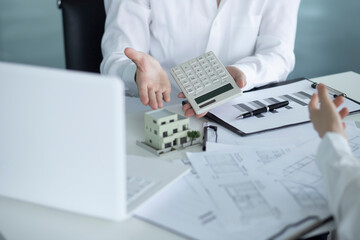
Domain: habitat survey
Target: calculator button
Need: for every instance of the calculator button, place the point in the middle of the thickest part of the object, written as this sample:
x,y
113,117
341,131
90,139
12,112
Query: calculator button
x,y
177,70
214,64
223,75
211,59
190,73
186,67
218,68
192,78
206,66
207,83
181,75
201,58
204,78
215,80
209,71
190,90
185,81
199,88
220,71
187,85
212,75
202,62
193,63
201,74
196,82
198,70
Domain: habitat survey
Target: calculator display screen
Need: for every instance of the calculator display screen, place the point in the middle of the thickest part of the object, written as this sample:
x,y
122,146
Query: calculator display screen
x,y
213,93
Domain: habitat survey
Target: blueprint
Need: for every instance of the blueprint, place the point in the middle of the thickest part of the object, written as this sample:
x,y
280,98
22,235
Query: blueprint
x,y
247,194
232,189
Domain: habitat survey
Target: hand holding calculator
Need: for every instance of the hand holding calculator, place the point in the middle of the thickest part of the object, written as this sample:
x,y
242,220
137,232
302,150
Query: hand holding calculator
x,y
205,82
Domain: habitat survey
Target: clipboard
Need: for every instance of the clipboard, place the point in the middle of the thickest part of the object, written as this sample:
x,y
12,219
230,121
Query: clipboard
x,y
264,95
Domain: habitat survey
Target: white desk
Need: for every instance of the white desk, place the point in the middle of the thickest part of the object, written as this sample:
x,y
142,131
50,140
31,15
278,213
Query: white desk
x,y
20,220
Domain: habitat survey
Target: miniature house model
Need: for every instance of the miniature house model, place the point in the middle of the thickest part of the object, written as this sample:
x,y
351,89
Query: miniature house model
x,y
165,129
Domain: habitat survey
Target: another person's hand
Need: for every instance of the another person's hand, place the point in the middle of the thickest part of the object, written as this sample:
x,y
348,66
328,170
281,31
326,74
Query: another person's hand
x,y
238,76
326,118
153,82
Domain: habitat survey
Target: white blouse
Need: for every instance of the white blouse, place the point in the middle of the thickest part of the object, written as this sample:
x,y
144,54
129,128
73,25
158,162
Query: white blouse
x,y
341,171
256,36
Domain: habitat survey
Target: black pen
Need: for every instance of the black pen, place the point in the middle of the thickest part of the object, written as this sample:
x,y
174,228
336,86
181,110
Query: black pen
x,y
263,109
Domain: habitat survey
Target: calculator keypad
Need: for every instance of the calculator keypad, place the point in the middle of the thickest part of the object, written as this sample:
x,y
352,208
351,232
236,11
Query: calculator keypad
x,y
201,74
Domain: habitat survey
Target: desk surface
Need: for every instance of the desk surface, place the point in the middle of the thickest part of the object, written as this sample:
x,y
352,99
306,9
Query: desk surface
x,y
20,220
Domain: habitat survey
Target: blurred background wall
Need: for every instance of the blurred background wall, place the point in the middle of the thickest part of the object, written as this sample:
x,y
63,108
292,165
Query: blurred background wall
x,y
328,36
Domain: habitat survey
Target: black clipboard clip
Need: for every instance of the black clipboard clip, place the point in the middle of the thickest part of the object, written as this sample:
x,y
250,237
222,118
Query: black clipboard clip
x,y
205,138
318,223
335,93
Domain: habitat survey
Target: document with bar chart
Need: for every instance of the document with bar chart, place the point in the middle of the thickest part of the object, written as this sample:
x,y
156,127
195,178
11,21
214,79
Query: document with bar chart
x,y
297,93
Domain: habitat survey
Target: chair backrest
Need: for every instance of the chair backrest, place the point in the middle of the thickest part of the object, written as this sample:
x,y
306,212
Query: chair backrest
x,y
83,24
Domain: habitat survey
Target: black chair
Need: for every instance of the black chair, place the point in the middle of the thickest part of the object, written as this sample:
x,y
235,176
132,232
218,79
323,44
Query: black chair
x,y
83,24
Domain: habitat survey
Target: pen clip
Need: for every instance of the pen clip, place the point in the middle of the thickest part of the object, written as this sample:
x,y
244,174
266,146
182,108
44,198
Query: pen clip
x,y
335,93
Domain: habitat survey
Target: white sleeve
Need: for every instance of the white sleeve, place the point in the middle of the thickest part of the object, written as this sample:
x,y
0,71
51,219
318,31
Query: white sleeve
x,y
127,25
341,171
274,57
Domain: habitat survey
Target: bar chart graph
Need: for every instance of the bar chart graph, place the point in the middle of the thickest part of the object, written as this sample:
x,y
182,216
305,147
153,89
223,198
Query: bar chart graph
x,y
300,98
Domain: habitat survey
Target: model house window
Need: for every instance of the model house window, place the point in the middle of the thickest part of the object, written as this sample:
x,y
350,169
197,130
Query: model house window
x,y
167,145
154,121
165,134
175,130
184,127
174,142
163,123
171,120
182,140
150,141
155,132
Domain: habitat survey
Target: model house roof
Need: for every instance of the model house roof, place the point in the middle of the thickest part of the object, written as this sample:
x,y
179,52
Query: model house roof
x,y
161,113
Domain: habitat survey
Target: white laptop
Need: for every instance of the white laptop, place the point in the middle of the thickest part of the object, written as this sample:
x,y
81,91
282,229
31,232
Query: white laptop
x,y
63,142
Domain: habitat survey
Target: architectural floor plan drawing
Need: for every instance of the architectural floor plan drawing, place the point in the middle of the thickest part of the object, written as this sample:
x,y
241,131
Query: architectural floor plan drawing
x,y
226,164
249,200
257,197
267,156
306,196
303,170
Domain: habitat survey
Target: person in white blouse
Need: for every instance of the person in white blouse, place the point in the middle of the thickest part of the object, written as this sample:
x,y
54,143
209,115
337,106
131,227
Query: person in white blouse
x,y
143,39
341,170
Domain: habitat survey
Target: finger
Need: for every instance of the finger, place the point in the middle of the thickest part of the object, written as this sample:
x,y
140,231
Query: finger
x,y
181,95
201,115
166,96
338,101
143,94
241,82
159,98
323,94
344,112
244,82
314,103
186,107
344,125
133,55
152,99
190,112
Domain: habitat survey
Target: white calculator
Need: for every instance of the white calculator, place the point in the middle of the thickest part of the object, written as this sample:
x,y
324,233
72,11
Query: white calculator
x,y
205,82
